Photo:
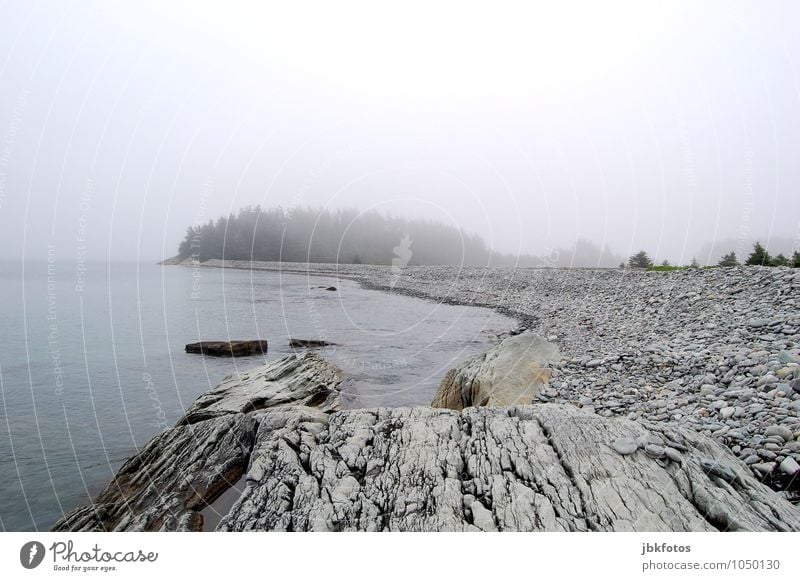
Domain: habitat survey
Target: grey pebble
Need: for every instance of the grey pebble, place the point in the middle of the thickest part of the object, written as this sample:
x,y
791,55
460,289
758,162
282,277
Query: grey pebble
x,y
790,466
654,451
624,446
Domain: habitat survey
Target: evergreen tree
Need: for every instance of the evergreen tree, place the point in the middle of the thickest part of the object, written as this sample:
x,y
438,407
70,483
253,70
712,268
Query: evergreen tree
x,y
665,262
780,260
640,260
759,257
796,259
729,260
185,248
694,263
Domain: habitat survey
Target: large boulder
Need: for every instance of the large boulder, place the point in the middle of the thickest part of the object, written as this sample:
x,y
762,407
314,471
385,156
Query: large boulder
x,y
511,373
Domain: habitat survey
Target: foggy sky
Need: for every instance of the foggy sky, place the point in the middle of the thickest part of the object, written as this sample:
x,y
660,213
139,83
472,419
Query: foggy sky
x,y
664,127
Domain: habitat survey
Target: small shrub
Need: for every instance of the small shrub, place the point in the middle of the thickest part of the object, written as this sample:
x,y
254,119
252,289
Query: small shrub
x,y
780,260
729,260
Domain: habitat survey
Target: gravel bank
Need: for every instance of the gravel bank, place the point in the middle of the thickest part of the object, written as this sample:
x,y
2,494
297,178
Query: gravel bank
x,y
714,349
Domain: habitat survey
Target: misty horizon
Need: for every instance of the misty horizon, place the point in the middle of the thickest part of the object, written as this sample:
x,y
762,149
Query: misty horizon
x,y
549,130
349,236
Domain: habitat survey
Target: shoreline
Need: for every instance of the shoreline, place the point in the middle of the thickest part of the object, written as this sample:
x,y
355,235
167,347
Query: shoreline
x,y
525,321
271,449
717,350
524,437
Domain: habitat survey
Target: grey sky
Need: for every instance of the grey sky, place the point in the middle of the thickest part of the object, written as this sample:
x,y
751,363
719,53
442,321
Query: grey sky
x,y
663,127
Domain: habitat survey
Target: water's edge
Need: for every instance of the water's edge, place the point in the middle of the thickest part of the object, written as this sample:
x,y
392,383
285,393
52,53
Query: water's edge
x,y
524,320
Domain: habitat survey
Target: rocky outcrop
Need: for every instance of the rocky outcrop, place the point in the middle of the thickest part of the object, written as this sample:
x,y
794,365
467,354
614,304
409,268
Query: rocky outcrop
x,y
277,435
228,348
530,468
166,485
174,260
512,373
305,379
186,468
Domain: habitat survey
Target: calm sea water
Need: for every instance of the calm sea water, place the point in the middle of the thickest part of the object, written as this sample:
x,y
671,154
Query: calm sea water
x,y
92,363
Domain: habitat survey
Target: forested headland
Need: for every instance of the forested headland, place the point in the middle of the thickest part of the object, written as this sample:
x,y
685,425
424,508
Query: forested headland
x,y
350,236
345,236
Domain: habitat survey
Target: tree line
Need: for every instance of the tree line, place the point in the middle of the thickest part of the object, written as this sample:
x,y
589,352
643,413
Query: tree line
x,y
343,236
759,257
349,236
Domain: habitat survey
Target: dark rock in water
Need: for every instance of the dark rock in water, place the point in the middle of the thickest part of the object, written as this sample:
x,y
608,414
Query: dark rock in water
x,y
331,288
301,343
228,348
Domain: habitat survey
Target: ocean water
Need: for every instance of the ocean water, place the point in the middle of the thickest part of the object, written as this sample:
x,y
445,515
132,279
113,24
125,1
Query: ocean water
x,y
92,361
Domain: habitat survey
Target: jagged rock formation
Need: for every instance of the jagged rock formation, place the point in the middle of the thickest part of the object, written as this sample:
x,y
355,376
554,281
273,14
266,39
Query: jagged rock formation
x,y
184,469
166,485
512,373
531,468
305,379
544,467
228,348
